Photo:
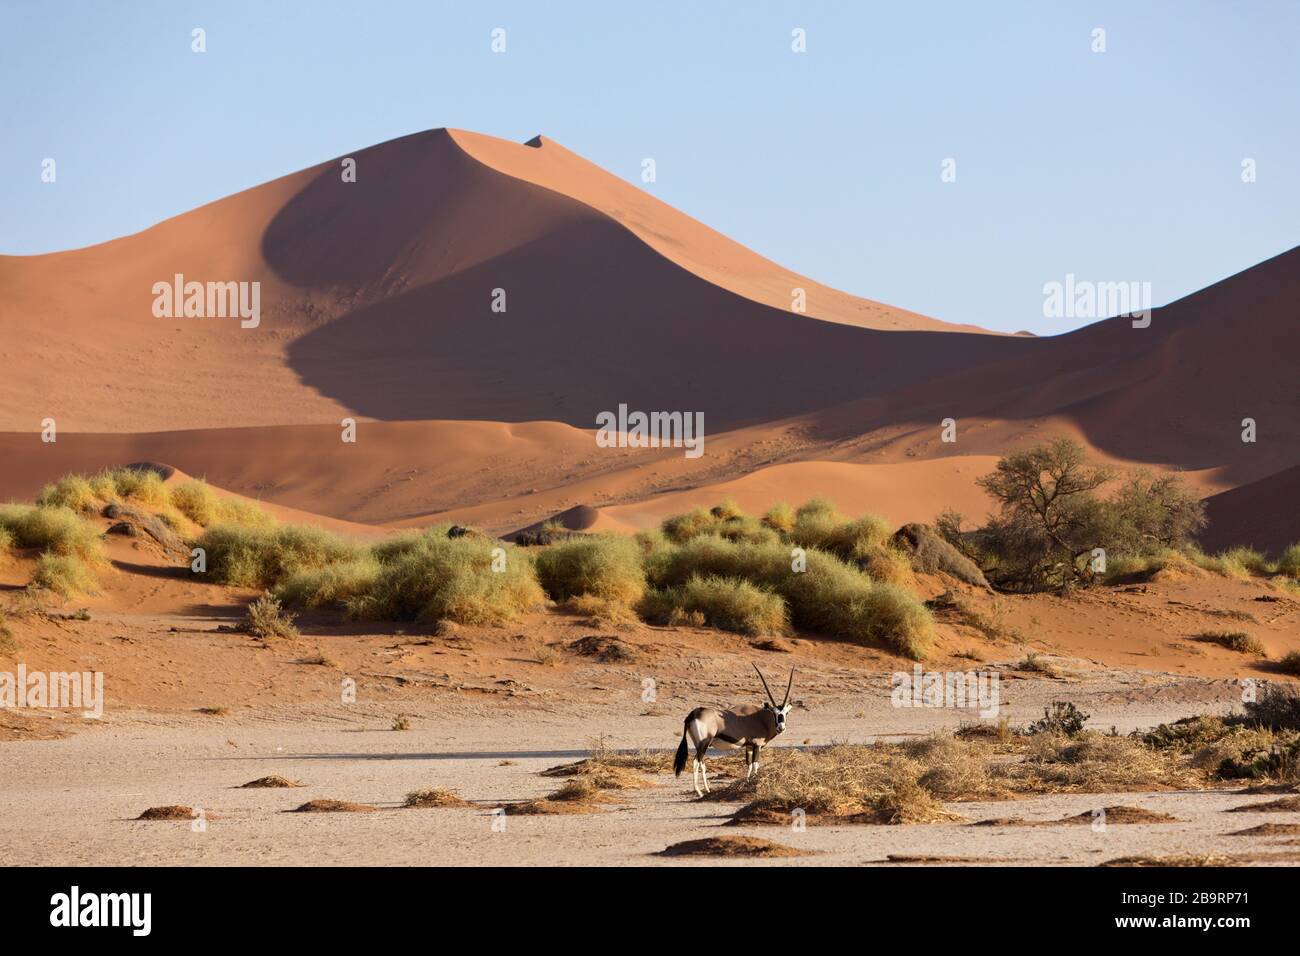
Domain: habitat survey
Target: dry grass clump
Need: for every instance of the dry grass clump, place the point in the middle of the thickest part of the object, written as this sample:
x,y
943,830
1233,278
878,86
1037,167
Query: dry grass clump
x,y
1238,641
196,500
602,613
577,795
1095,763
607,650
1288,564
725,521
434,797
53,529
780,517
1269,829
1290,663
87,493
273,781
829,596
266,618
1180,859
730,604
331,806
171,812
261,557
432,577
420,576
602,761
1281,805
732,846
64,574
604,566
838,784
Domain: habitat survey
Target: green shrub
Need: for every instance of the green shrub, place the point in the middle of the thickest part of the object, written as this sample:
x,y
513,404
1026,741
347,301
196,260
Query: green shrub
x,y
140,484
692,524
779,517
196,500
64,574
70,491
731,604
604,566
1289,562
334,584
725,520
1242,562
261,557
829,597
57,530
6,544
430,577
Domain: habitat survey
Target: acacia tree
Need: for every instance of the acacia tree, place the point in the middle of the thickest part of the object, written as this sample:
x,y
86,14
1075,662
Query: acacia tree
x,y
1049,515
1050,518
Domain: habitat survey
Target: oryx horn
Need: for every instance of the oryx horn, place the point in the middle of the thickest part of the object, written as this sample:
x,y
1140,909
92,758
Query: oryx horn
x,y
764,680
787,689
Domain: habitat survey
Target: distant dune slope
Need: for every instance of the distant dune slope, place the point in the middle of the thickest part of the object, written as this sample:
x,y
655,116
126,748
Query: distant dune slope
x,y
376,300
377,304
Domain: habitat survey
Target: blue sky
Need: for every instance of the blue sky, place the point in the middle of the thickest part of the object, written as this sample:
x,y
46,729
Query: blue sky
x,y
1123,165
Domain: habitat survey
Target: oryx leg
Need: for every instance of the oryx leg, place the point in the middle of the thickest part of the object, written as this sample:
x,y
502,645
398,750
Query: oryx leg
x,y
757,751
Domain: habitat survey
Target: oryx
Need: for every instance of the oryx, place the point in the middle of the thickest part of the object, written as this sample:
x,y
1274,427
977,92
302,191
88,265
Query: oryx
x,y
748,726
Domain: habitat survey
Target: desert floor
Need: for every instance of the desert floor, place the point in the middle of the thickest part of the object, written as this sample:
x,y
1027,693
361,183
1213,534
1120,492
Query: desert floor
x,y
74,799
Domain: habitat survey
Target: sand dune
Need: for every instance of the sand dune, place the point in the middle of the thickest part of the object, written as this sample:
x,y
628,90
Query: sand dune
x,y
376,304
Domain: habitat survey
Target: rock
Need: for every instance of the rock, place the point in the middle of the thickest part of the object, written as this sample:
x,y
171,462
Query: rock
x,y
931,554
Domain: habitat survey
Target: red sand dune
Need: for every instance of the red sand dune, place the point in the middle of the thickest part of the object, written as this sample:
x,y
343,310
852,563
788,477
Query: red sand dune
x,y
376,304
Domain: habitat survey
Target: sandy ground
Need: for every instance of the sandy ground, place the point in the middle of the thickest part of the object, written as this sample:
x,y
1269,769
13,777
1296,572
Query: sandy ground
x,y
74,800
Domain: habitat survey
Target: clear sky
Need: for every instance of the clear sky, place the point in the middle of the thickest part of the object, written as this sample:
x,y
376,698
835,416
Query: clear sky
x,y
1122,165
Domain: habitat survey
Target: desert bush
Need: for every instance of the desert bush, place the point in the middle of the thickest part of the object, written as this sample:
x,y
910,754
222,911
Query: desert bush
x,y
196,500
1188,735
246,556
431,577
602,566
725,520
70,491
1289,561
333,584
267,618
1276,708
143,485
780,517
64,574
731,604
1238,641
1051,519
1290,663
829,596
55,529
1062,718
6,544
